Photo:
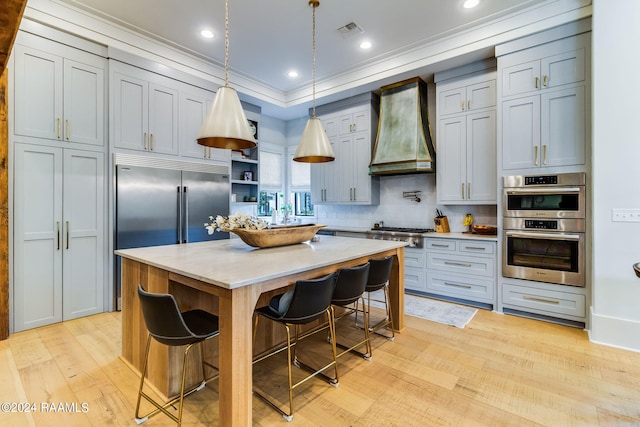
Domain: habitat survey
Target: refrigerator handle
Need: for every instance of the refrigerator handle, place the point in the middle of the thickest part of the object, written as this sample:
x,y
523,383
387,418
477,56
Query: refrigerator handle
x,y
186,215
179,215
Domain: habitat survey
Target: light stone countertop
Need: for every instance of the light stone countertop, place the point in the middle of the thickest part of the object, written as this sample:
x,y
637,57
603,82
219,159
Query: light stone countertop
x,y
453,235
231,263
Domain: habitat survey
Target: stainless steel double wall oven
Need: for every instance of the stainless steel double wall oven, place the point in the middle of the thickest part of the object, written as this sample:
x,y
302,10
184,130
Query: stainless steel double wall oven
x,y
544,222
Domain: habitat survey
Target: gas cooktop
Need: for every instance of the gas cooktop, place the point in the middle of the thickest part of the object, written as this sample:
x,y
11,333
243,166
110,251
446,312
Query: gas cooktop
x,y
404,230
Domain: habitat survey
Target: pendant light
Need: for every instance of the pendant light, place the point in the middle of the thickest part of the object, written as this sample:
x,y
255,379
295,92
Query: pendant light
x,y
314,146
226,125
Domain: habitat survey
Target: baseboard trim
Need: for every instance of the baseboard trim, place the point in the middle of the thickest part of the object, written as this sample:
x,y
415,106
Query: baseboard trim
x,y
615,332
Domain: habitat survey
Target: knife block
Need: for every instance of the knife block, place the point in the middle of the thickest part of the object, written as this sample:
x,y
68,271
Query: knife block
x,y
442,224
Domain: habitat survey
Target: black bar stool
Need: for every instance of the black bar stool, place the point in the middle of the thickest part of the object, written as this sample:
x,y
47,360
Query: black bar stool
x,y
167,325
307,301
379,272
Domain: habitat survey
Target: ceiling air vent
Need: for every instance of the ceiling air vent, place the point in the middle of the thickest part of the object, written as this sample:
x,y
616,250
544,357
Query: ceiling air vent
x,y
350,29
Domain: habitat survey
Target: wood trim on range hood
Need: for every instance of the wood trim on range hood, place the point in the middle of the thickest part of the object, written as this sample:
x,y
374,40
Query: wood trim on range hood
x,y
11,12
403,144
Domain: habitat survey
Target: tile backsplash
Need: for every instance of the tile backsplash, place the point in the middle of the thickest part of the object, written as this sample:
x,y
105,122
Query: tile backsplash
x,y
397,211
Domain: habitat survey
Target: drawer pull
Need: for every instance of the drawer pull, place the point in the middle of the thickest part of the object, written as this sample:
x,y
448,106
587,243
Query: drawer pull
x,y
457,286
436,245
475,248
459,264
549,301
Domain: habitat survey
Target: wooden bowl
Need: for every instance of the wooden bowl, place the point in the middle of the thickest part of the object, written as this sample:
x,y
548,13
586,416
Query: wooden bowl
x,y
278,236
485,229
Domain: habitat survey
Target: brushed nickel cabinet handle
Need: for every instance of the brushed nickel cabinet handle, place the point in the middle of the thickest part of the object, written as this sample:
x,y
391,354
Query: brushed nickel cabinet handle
x,y
469,105
59,130
458,264
536,82
475,248
544,154
436,245
548,301
209,151
457,285
67,234
354,194
462,105
151,139
67,129
145,142
535,155
468,191
462,190
58,233
544,80
204,152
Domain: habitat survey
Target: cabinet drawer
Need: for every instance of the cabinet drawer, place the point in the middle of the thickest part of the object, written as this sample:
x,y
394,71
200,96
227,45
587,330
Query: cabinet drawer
x,y
471,288
461,264
441,244
543,301
415,279
471,247
416,258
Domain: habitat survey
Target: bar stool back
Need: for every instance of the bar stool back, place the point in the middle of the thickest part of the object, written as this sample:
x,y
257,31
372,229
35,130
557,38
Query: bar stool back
x,y
379,273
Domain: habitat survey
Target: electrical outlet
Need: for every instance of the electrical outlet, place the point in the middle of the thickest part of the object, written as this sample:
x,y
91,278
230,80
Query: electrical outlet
x,y
625,215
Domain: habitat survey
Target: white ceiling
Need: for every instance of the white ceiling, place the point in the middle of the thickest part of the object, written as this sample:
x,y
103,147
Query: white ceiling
x,y
270,37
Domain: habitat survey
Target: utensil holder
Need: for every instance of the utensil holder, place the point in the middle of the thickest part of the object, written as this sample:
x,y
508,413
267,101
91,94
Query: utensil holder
x,y
442,224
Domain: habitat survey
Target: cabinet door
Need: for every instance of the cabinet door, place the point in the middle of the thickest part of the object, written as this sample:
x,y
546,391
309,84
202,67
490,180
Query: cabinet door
x,y
193,109
131,112
37,260
317,183
362,121
361,149
83,103
452,101
83,237
481,95
562,69
563,119
452,159
521,133
481,157
344,167
38,93
163,119
521,78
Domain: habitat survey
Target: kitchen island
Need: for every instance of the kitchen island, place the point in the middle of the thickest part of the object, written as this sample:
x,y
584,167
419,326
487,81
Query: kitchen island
x,y
229,278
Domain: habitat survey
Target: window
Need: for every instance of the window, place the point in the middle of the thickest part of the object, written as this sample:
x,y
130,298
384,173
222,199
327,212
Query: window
x,y
271,183
299,185
269,202
302,204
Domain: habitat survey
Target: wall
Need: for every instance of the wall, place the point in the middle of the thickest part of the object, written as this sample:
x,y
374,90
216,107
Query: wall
x,y
616,154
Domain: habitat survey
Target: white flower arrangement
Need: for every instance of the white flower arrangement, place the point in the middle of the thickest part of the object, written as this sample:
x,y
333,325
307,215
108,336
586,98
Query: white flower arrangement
x,y
232,222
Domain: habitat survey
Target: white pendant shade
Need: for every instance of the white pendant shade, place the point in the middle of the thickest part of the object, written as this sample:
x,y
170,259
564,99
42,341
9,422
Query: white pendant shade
x,y
314,146
226,125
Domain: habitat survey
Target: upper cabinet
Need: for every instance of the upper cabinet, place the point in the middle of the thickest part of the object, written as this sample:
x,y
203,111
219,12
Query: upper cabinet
x,y
59,93
195,103
544,104
145,110
466,138
351,132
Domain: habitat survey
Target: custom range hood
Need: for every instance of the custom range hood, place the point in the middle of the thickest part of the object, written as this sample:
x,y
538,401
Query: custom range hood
x,y
404,143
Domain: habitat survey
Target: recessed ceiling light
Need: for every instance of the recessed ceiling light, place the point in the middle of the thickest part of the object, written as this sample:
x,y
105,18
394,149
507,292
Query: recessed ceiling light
x,y
207,34
365,45
468,4
293,74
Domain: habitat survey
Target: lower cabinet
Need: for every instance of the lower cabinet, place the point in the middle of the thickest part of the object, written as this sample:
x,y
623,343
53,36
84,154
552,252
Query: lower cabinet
x,y
569,303
463,269
59,235
414,269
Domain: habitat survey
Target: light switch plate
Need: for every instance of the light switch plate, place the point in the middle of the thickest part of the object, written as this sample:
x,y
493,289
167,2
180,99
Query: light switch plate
x,y
625,215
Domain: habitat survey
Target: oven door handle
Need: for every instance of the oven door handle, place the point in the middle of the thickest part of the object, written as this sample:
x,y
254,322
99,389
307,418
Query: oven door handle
x,y
550,190
551,236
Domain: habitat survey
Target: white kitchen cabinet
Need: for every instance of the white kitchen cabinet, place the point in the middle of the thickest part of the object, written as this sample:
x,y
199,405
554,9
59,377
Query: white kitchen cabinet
x,y
59,93
569,303
463,269
194,106
145,110
59,230
346,180
415,275
467,170
544,105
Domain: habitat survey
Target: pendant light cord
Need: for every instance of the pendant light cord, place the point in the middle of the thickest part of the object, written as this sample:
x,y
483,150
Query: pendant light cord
x,y
226,43
314,4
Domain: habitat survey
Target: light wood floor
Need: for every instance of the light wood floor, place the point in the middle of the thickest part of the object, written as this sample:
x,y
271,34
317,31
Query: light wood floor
x,y
499,370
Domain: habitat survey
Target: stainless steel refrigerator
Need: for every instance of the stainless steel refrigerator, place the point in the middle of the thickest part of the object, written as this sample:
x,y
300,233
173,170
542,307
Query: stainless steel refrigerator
x,y
165,207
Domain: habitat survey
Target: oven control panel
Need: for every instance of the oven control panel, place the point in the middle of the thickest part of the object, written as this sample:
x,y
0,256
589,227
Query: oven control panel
x,y
541,225
541,180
